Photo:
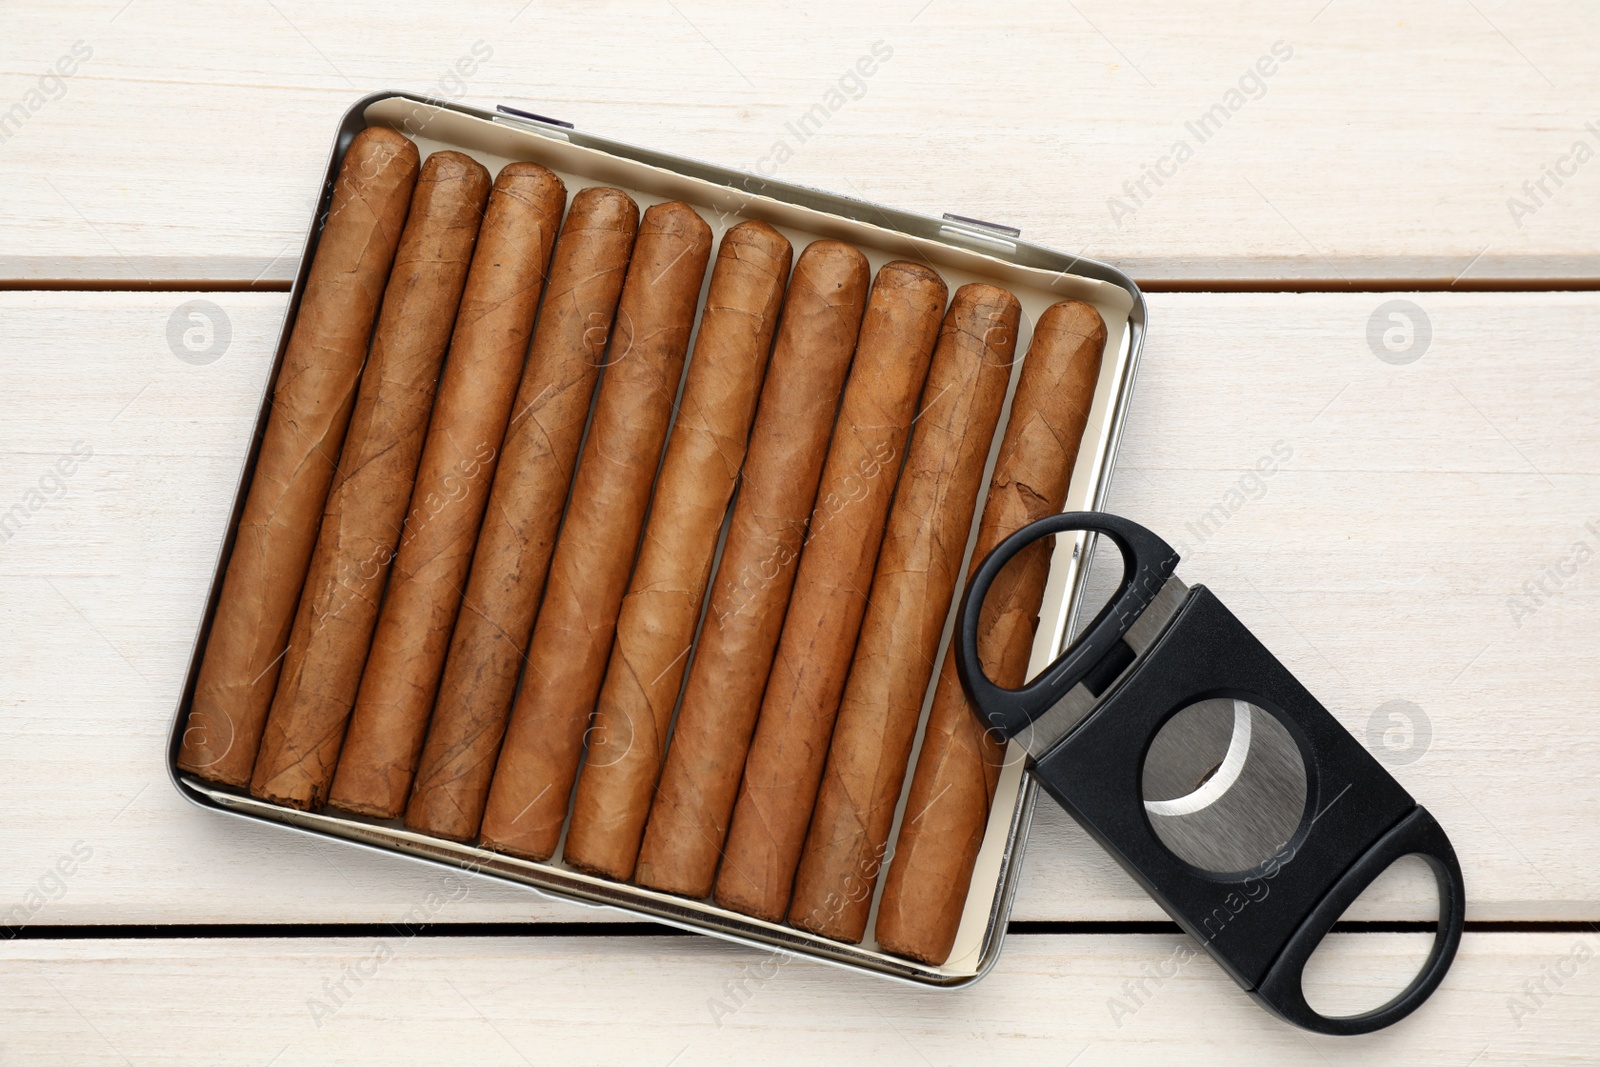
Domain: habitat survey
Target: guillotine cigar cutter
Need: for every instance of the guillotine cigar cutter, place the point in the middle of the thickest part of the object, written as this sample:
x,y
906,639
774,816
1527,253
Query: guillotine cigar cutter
x,y
1193,756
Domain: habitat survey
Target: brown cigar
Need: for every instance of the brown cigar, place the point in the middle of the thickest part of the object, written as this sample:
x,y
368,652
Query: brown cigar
x,y
362,520
689,816
918,567
656,625
947,810
784,766
310,410
458,461
595,553
519,526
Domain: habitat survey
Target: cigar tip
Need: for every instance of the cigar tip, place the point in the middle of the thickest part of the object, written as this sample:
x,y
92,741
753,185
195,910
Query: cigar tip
x,y
746,905
605,207
756,232
599,868
446,832
351,806
907,950
911,272
828,248
526,172
380,151
982,294
424,818
834,262
264,791
647,875
1073,318
394,140
211,773
822,927
495,845
914,281
596,196
451,166
676,217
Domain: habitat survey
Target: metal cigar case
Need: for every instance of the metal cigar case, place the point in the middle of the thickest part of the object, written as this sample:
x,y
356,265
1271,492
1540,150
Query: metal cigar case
x,y
1198,761
961,250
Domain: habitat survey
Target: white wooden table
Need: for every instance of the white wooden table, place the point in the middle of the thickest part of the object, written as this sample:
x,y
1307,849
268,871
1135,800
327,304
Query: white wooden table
x,y
1424,560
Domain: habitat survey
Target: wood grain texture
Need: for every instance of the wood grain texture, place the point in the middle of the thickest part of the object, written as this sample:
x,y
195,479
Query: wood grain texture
x,y
634,1000
1388,145
1424,547
1384,562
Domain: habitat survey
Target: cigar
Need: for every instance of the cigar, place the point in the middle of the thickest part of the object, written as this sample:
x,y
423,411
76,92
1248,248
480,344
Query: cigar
x,y
600,536
656,625
487,352
918,567
361,523
525,505
311,406
750,592
947,811
784,766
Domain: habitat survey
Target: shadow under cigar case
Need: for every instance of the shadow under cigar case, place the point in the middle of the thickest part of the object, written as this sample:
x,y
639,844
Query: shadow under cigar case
x,y
1218,782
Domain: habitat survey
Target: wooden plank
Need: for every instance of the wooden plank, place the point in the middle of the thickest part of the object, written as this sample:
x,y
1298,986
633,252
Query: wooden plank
x,y
1088,1000
1387,559
1406,560
1383,144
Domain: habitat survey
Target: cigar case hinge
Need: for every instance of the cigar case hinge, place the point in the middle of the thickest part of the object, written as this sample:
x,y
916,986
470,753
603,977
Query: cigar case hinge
x,y
985,235
543,123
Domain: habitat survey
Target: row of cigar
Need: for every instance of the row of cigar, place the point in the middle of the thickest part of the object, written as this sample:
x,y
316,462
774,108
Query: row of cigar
x,y
459,597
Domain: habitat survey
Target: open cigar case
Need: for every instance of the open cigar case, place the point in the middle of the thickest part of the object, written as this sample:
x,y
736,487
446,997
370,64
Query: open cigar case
x,y
962,251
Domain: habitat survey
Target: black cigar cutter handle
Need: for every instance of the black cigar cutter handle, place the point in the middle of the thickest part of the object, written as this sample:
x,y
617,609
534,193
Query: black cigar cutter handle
x,y
1087,722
